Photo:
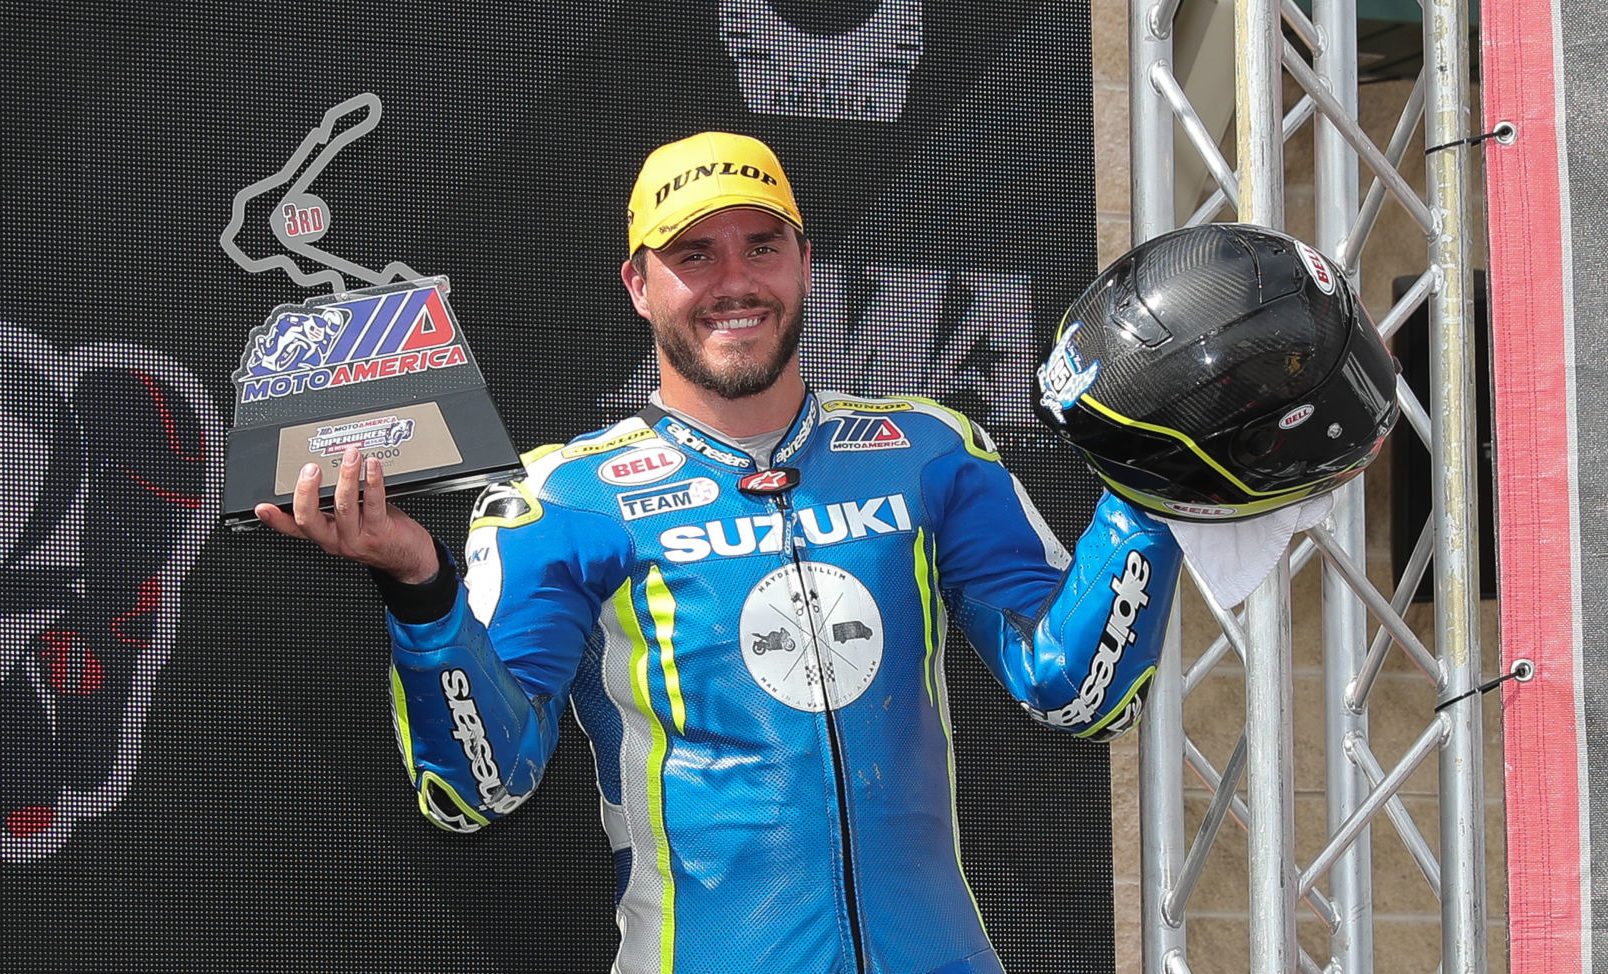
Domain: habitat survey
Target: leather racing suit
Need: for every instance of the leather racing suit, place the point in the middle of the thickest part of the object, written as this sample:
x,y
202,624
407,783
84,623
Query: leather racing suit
x,y
759,666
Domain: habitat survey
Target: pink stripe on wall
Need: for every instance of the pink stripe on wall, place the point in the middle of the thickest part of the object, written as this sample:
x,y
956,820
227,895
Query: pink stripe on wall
x,y
1541,726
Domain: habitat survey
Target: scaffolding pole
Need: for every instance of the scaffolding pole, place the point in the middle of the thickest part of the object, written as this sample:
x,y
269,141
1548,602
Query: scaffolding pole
x,y
1358,788
1453,443
1161,743
1336,202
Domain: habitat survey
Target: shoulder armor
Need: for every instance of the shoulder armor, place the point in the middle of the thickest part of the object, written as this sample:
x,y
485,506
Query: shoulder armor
x,y
978,442
511,504
832,402
506,505
606,442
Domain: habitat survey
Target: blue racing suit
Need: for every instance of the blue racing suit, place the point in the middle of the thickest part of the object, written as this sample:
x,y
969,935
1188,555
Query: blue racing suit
x,y
757,659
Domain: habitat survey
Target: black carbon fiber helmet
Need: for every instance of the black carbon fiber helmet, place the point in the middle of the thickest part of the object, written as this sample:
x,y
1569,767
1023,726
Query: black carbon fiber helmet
x,y
1220,372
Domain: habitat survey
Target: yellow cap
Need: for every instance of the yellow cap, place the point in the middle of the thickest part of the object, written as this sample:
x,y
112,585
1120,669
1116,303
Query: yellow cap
x,y
685,181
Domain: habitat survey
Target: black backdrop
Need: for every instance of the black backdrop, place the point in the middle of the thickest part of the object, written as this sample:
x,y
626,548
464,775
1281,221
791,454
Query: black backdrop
x,y
197,769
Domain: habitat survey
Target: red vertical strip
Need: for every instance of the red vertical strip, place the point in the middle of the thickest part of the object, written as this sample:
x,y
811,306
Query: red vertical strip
x,y
1541,726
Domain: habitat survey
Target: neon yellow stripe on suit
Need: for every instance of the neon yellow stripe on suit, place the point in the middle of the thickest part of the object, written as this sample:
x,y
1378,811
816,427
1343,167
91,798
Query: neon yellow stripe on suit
x,y
531,456
625,612
927,584
967,430
949,753
429,783
662,606
925,591
1122,705
404,733
423,784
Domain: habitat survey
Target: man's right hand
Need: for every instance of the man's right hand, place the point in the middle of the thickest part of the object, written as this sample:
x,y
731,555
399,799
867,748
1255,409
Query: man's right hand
x,y
363,527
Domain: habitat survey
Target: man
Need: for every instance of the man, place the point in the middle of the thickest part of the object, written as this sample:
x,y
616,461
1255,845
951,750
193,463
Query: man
x,y
744,591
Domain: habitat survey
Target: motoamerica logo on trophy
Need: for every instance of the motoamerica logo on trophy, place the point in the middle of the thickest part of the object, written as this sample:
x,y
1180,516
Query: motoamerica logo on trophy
x,y
384,368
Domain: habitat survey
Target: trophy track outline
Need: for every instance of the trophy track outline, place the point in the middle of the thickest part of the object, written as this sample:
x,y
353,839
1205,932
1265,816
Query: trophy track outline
x,y
324,144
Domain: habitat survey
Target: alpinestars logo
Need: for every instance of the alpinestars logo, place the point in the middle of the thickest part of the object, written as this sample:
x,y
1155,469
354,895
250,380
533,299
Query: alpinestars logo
x,y
776,480
1130,596
679,432
470,732
785,453
1128,719
314,346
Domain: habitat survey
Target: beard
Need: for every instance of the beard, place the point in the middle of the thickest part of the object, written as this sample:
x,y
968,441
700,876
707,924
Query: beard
x,y
745,378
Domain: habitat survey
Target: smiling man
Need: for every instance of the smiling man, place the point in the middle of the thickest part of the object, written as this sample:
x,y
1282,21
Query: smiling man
x,y
744,592
725,297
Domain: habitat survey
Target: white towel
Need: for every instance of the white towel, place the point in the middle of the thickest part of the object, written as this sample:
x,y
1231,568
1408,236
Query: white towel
x,y
1232,557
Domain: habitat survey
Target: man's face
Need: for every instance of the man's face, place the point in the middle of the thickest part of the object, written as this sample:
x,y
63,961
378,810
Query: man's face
x,y
726,300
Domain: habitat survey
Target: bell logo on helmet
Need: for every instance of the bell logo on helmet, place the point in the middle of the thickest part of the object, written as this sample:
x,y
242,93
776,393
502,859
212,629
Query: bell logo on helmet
x,y
1200,510
1318,268
1296,416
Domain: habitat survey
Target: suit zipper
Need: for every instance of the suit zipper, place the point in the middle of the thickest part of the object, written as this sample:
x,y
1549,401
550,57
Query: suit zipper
x,y
835,746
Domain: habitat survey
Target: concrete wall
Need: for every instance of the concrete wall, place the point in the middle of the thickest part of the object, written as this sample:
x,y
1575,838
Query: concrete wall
x,y
1406,912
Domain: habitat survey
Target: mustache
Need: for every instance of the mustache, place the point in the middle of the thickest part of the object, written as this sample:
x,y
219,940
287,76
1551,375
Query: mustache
x,y
727,305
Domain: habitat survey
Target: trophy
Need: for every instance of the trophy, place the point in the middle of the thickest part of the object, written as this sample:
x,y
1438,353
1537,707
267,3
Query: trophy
x,y
383,368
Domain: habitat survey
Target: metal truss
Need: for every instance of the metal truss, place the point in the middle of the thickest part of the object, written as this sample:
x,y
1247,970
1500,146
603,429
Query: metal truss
x,y
1275,43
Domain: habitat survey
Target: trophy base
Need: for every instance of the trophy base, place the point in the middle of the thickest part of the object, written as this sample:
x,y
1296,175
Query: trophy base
x,y
452,442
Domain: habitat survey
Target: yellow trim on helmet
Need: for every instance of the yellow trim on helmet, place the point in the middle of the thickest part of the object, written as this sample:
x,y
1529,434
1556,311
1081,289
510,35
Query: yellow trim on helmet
x,y
1150,502
1168,431
1277,498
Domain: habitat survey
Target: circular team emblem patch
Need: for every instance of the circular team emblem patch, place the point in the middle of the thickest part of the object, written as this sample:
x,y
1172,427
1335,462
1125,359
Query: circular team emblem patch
x,y
811,646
